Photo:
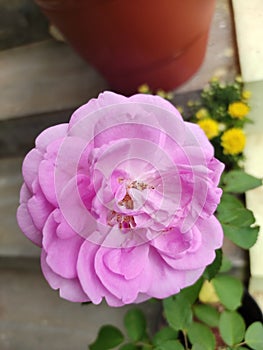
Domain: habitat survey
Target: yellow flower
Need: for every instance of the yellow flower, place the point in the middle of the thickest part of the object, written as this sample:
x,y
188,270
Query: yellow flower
x,y
190,103
239,79
246,94
233,141
180,109
144,89
238,110
169,95
162,93
214,79
202,113
210,127
207,294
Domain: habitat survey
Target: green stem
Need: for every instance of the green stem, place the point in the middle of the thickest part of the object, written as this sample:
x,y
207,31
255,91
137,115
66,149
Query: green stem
x,y
185,340
141,343
240,344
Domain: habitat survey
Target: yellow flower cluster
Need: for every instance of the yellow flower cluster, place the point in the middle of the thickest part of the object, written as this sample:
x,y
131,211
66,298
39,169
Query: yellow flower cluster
x,y
202,113
166,95
246,94
210,127
238,109
233,141
144,89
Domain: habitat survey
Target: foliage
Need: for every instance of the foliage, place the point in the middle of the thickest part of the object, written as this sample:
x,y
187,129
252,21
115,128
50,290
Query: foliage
x,y
227,106
190,325
205,315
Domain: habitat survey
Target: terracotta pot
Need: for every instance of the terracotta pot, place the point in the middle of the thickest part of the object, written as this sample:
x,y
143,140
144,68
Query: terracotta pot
x,y
161,43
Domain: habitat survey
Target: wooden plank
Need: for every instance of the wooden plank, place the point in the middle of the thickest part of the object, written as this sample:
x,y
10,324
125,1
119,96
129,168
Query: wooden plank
x,y
17,135
32,316
44,77
21,22
12,242
221,54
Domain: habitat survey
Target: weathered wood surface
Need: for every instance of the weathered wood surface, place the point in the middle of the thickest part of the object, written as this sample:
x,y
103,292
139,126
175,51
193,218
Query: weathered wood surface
x,y
21,22
17,136
32,316
12,241
44,77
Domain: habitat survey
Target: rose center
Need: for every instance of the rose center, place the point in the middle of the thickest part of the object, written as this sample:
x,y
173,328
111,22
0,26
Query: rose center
x,y
123,220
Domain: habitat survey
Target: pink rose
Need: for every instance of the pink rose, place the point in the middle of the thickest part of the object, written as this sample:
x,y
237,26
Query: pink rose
x,y
121,201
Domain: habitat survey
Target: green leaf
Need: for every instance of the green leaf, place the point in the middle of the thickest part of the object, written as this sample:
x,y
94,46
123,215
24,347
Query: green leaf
x,y
163,335
145,347
229,291
212,269
200,334
135,323
170,345
254,336
232,327
236,221
237,181
226,264
240,217
244,237
197,347
191,293
129,346
109,337
178,312
207,314
229,202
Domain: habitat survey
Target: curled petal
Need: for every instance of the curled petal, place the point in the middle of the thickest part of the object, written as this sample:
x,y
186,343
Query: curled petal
x,y
61,254
211,235
128,263
30,167
39,209
49,135
69,289
89,280
166,280
117,284
26,224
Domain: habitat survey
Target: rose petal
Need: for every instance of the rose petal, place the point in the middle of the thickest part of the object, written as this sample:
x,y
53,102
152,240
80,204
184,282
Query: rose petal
x,y
62,254
90,282
26,224
211,234
104,99
128,263
39,209
126,291
172,243
49,135
167,281
69,289
30,167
